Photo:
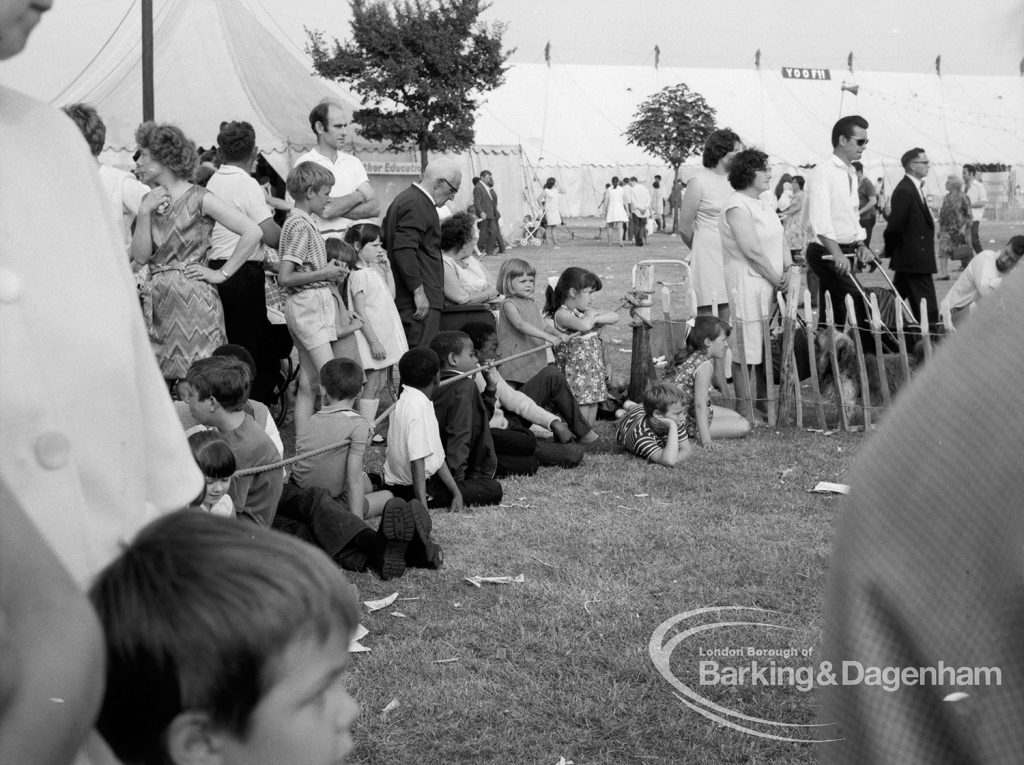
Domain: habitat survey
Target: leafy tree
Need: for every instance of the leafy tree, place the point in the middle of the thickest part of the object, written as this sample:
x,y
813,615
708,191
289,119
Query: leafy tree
x,y
420,65
672,124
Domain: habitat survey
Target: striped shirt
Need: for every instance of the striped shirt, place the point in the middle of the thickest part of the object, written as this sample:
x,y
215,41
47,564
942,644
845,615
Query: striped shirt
x,y
302,245
635,434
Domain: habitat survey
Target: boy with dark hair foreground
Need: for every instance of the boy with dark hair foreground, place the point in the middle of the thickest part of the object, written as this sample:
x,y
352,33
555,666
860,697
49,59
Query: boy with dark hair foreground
x,y
656,431
227,644
463,415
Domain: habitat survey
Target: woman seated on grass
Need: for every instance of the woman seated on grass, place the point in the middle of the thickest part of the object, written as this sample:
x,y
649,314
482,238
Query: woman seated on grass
x,y
706,343
465,280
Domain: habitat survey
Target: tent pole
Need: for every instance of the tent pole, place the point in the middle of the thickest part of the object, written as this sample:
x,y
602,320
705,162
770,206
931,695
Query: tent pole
x,y
147,61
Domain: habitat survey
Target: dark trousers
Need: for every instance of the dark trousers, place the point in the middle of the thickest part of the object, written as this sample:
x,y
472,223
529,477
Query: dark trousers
x,y
549,390
475,492
975,238
516,449
913,287
639,230
420,333
838,286
245,320
314,516
868,224
488,235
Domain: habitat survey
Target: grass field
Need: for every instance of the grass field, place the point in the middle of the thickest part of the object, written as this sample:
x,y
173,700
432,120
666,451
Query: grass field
x,y
558,665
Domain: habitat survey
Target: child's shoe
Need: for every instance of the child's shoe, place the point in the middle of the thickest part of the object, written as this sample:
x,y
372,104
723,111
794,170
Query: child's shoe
x,y
422,552
398,528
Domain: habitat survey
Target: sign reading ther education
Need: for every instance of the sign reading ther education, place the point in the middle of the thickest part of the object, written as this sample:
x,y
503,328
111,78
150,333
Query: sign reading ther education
x,y
803,73
375,167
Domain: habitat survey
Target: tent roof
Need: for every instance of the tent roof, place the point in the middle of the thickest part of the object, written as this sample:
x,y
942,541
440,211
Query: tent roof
x,y
571,115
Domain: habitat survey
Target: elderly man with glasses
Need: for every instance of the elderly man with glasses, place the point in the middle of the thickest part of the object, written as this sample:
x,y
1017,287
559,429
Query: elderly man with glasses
x,y
910,237
411,233
833,218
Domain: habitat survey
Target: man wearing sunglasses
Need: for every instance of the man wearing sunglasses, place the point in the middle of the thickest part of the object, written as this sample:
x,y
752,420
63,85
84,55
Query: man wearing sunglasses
x,y
834,220
910,237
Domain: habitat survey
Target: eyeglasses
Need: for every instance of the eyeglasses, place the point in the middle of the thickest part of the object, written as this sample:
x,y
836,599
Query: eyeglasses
x,y
859,141
921,162
455,189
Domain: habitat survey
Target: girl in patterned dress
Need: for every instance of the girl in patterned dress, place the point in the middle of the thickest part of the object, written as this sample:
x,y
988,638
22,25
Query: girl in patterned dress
x,y
707,341
581,353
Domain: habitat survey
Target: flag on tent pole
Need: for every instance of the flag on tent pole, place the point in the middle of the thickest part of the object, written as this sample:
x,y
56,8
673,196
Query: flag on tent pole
x,y
849,61
547,54
938,65
657,56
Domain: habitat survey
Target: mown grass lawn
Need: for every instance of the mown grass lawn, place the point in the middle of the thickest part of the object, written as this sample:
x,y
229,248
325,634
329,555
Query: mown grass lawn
x,y
558,666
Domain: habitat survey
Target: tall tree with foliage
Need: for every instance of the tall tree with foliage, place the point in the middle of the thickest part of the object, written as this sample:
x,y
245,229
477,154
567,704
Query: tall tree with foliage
x,y
421,67
672,124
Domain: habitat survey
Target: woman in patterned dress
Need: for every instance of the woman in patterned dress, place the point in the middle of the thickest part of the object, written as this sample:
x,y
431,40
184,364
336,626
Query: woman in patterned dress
x,y
172,237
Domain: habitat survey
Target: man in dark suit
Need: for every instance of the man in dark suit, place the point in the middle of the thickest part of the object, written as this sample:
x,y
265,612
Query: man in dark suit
x,y
411,232
910,237
486,202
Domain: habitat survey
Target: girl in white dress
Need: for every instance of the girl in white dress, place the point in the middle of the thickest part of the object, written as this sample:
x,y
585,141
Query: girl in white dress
x,y
371,296
614,210
548,201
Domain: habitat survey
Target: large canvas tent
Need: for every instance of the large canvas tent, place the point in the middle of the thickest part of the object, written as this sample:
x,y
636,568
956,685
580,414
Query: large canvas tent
x,y
226,59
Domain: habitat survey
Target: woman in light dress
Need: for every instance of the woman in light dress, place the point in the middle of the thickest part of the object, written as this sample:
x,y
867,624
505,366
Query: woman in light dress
x,y
757,263
614,209
705,195
551,217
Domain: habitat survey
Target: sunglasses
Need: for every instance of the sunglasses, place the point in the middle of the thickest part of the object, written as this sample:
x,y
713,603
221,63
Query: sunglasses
x,y
859,141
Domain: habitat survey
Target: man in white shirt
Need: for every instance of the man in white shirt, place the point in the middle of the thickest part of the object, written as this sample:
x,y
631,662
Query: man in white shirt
x,y
982,276
123,189
976,192
627,199
243,295
639,210
352,197
834,221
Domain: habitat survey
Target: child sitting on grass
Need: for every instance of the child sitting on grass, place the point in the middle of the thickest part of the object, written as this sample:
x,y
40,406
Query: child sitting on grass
x,y
225,643
707,342
217,390
339,471
215,458
415,467
656,431
463,416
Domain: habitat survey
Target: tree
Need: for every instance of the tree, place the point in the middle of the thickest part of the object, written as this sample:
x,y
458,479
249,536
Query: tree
x,y
420,65
672,124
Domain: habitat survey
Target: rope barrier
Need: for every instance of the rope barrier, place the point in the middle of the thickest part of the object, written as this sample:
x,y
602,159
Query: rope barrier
x,y
387,412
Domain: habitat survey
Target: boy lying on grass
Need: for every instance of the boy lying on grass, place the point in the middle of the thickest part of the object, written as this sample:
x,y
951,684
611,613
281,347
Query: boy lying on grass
x,y
656,431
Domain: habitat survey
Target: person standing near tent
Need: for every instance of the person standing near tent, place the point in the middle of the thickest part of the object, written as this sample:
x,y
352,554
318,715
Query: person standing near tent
x,y
243,296
833,220
352,197
485,200
658,203
639,210
976,192
614,209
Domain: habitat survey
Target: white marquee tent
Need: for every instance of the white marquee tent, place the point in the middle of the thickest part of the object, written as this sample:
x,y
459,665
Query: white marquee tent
x,y
226,59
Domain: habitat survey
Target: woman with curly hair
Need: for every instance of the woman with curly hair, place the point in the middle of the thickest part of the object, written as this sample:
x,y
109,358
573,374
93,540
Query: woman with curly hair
x,y
465,280
757,263
172,237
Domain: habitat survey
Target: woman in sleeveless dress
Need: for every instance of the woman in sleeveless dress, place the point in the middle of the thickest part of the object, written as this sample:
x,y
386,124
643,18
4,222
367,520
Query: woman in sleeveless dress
x,y
172,237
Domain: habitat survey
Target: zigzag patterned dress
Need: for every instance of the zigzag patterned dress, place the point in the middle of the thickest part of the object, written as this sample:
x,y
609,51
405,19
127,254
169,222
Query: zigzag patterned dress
x,y
188,320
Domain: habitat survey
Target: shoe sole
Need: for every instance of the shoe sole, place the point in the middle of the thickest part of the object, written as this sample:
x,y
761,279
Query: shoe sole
x,y
398,527
424,551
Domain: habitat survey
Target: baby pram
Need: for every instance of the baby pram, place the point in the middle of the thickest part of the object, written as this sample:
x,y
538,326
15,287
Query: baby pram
x,y
531,230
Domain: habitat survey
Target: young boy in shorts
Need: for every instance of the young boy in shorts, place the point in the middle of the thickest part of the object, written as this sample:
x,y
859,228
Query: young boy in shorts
x,y
464,415
415,467
216,393
225,643
317,319
339,471
656,431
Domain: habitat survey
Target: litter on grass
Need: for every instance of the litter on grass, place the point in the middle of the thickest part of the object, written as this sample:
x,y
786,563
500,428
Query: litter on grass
x,y
399,614
354,646
391,707
444,661
479,581
377,605
641,495
824,487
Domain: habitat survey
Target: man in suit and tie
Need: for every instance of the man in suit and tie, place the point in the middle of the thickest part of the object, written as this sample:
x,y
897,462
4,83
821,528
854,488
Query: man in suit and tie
x,y
411,233
486,202
910,237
